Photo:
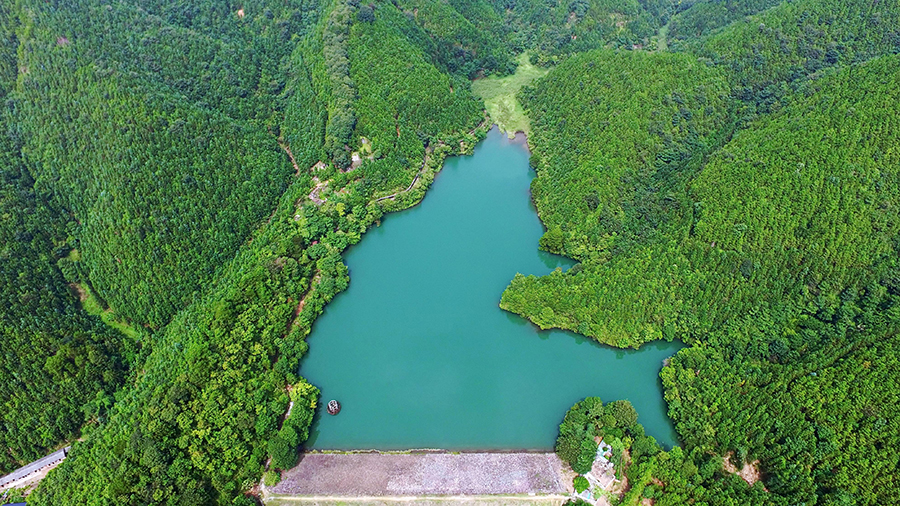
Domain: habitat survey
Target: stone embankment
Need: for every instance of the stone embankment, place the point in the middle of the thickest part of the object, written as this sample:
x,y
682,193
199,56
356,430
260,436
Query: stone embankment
x,y
422,479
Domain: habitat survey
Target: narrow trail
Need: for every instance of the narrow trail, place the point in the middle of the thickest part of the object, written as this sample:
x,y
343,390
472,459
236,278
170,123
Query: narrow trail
x,y
424,164
408,188
287,150
312,284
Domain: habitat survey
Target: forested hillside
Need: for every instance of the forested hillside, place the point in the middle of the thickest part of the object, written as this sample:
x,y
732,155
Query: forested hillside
x,y
405,103
461,36
155,138
611,187
205,414
59,366
196,191
772,248
800,381
555,30
669,199
769,56
695,19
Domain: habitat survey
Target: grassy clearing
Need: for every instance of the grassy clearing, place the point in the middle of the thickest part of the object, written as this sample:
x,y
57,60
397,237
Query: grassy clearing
x,y
499,95
661,39
92,305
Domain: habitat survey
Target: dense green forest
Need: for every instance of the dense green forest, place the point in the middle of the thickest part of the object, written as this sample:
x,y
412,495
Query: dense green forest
x,y
169,196
668,209
693,19
767,241
725,173
60,366
620,197
554,30
147,130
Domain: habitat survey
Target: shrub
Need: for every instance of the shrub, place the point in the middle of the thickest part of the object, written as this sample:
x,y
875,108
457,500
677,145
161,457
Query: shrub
x,y
586,455
284,456
581,484
271,478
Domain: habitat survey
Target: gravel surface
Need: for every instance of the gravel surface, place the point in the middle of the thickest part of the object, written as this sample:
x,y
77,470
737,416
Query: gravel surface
x,y
414,501
429,474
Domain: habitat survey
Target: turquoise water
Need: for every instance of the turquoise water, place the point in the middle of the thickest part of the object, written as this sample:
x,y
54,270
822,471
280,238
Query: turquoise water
x,y
420,355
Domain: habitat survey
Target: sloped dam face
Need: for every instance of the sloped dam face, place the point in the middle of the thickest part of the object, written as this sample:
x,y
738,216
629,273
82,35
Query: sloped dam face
x,y
417,350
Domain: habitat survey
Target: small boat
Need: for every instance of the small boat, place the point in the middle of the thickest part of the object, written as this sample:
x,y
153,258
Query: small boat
x,y
334,407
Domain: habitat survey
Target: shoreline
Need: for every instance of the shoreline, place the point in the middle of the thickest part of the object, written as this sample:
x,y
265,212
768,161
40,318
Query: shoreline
x,y
521,138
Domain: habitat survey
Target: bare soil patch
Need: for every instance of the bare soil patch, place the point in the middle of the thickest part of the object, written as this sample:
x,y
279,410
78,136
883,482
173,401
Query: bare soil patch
x,y
79,291
749,473
314,194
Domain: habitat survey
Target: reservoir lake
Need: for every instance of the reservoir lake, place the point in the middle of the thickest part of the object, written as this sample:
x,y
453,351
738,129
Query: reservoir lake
x,y
417,350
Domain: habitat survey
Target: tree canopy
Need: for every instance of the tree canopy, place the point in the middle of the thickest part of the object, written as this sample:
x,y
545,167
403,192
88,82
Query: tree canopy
x,y
179,180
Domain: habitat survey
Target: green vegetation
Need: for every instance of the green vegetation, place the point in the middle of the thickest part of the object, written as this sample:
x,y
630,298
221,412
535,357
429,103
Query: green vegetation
x,y
12,496
771,56
460,36
271,478
295,429
94,306
406,105
770,245
500,96
178,181
610,186
839,313
580,484
590,419
145,149
662,38
169,200
652,220
633,454
555,30
693,19
60,366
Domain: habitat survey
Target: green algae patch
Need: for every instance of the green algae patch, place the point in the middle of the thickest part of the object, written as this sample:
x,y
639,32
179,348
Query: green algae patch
x,y
499,95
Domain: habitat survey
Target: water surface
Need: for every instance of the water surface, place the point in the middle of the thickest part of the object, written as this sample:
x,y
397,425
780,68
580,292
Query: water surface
x,y
420,355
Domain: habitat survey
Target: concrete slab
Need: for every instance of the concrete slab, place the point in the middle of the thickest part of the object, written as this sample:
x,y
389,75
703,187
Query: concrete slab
x,y
463,478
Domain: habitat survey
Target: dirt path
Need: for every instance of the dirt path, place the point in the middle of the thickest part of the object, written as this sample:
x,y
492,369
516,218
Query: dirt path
x,y
418,175
287,150
422,168
749,472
